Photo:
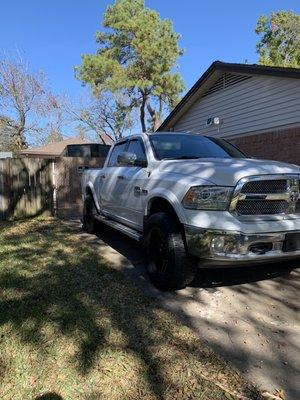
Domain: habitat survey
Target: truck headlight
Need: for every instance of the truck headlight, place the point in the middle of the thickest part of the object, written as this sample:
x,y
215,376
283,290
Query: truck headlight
x,y
208,198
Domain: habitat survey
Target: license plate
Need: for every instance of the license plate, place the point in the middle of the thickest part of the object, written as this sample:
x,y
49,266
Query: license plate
x,y
291,242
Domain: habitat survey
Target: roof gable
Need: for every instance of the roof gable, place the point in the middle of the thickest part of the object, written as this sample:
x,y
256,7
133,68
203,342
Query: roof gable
x,y
213,78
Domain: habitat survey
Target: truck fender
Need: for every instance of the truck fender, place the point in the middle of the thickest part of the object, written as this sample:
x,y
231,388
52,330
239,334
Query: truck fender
x,y
170,198
90,187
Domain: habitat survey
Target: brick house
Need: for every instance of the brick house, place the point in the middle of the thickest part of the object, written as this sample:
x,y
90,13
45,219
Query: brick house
x,y
255,107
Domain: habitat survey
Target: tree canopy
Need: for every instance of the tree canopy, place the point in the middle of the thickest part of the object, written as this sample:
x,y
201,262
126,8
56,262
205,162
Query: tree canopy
x,y
136,56
279,44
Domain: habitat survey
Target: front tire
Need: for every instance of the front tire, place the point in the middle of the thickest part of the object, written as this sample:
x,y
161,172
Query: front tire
x,y
168,265
89,213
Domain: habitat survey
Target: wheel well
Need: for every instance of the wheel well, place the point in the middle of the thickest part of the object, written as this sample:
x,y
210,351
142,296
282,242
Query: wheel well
x,y
160,204
88,190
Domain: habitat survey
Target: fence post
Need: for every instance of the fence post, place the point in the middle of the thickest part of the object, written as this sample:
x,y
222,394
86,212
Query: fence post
x,y
1,190
3,199
53,169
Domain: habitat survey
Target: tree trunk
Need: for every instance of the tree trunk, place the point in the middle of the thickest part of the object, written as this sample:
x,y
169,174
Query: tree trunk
x,y
157,122
156,118
142,112
19,139
160,113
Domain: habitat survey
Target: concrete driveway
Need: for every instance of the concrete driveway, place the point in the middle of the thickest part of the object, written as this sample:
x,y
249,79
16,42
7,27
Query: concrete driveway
x,y
250,316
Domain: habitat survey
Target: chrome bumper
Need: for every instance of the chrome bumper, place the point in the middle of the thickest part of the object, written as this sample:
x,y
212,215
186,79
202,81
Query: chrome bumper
x,y
224,247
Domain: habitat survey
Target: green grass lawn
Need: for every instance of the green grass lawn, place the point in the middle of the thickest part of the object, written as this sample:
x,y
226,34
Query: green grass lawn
x,y
73,326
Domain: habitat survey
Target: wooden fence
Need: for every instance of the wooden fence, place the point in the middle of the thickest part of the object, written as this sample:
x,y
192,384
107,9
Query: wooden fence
x,y
67,182
34,186
25,187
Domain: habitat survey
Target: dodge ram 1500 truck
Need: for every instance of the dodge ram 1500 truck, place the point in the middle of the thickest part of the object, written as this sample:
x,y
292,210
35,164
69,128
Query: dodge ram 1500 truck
x,y
195,201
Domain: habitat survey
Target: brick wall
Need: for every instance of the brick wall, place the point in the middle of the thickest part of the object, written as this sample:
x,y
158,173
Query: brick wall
x,y
281,145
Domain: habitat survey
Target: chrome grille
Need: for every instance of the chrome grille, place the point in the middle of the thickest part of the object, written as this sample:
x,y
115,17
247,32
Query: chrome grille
x,y
268,186
261,207
266,196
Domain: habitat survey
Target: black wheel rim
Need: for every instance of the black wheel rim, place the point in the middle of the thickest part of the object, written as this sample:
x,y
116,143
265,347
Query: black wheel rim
x,y
157,252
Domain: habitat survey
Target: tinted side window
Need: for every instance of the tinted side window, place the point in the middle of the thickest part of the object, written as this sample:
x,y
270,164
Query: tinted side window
x,y
119,148
136,147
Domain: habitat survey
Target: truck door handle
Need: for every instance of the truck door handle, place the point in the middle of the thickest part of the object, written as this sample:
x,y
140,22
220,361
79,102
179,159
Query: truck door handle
x,y
102,176
120,177
137,190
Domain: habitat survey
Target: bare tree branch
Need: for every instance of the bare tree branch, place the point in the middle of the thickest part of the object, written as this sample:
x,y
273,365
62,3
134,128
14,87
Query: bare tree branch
x,y
109,114
24,101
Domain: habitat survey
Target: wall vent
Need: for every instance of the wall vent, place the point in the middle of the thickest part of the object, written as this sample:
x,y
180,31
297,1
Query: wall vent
x,y
225,81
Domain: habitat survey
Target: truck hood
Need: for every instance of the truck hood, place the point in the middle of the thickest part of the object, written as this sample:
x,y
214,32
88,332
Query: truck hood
x,y
226,171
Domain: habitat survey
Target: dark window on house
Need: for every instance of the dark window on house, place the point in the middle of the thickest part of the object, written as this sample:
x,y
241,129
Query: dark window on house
x,y
87,150
101,149
118,149
137,147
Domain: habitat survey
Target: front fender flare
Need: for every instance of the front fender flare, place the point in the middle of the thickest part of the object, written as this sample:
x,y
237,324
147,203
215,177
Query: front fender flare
x,y
90,186
168,196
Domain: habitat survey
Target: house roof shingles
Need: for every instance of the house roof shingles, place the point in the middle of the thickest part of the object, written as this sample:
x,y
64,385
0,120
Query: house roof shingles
x,y
55,149
107,139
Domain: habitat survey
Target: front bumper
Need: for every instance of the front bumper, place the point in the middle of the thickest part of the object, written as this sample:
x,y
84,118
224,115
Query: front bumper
x,y
236,248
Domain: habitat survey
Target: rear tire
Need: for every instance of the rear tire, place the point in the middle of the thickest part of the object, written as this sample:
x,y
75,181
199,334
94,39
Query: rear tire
x,y
89,213
167,263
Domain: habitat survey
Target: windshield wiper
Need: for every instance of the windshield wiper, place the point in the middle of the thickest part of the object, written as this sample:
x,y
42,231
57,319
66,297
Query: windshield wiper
x,y
181,158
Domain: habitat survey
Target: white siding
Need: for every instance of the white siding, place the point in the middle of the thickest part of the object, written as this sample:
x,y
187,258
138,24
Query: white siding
x,y
257,104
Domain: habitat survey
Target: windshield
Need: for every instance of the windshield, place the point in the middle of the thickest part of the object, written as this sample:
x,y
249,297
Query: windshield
x,y
185,146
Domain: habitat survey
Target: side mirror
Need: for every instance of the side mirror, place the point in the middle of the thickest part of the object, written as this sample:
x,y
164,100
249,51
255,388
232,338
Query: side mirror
x,y
130,159
126,159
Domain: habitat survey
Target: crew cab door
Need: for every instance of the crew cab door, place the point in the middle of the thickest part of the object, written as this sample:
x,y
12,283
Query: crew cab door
x,y
133,191
111,190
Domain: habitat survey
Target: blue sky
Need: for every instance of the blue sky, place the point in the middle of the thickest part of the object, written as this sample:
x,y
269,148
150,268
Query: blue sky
x,y
53,34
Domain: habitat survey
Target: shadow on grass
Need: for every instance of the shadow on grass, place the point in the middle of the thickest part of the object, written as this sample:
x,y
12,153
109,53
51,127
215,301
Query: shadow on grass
x,y
49,396
249,314
54,287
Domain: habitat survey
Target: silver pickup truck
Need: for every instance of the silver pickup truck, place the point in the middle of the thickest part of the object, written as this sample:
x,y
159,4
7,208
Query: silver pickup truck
x,y
195,202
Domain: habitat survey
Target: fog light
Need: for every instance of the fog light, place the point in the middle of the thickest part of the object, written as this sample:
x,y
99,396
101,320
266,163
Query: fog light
x,y
218,244
224,244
